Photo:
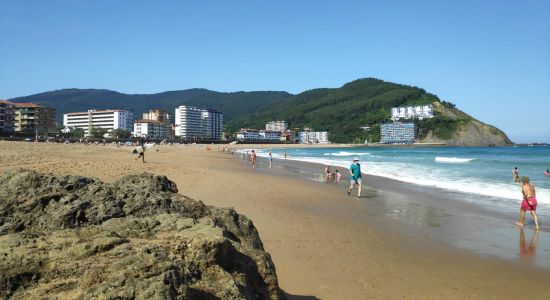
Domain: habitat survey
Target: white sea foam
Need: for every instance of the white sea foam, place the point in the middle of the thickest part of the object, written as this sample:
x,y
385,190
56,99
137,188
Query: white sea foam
x,y
429,176
453,160
345,153
426,176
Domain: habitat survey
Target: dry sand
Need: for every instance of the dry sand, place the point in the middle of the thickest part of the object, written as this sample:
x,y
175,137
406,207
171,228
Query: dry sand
x,y
325,244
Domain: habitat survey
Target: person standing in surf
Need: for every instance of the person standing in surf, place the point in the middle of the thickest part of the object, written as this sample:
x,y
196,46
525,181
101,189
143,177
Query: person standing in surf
x,y
270,158
515,173
253,156
529,202
355,178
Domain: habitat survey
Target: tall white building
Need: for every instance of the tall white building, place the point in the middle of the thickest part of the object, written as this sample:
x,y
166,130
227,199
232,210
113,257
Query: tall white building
x,y
412,112
194,123
106,119
277,126
313,137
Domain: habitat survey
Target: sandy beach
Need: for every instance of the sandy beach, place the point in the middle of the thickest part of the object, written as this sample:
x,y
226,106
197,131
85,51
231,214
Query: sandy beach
x,y
324,244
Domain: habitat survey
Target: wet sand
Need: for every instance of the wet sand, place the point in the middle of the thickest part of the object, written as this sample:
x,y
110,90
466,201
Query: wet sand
x,y
325,245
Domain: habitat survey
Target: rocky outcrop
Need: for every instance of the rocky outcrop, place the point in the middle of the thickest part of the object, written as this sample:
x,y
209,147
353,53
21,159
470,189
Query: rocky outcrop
x,y
70,237
470,132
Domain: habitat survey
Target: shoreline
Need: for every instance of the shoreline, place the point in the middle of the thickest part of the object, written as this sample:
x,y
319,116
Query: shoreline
x,y
451,219
325,244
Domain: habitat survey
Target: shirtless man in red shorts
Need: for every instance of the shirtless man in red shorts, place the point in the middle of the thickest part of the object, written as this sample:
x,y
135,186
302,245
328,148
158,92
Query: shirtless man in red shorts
x,y
529,202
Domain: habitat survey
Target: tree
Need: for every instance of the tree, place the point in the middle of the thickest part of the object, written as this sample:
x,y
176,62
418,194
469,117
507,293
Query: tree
x,y
120,133
98,132
77,133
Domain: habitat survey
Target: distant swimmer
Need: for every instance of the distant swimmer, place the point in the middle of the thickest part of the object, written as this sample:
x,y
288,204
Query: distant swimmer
x,y
515,173
529,202
355,178
253,156
547,173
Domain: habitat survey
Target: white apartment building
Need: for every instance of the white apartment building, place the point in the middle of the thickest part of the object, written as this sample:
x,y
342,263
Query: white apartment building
x,y
313,137
194,123
412,112
106,119
270,135
247,134
151,129
277,126
162,117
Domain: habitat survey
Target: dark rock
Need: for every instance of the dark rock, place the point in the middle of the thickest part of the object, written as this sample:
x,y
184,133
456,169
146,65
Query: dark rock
x,y
76,237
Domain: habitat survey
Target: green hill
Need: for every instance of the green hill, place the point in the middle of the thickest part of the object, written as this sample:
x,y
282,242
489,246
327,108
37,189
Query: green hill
x,y
231,104
341,111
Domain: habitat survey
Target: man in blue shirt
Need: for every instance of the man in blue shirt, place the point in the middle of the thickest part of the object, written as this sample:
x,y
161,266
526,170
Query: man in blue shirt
x,y
355,178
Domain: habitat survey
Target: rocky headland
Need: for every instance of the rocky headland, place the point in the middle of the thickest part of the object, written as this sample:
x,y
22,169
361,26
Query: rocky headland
x,y
72,237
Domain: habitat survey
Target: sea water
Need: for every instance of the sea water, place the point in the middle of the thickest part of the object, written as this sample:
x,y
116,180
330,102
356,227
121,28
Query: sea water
x,y
474,171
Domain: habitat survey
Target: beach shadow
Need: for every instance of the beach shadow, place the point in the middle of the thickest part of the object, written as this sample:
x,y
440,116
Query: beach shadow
x,y
299,297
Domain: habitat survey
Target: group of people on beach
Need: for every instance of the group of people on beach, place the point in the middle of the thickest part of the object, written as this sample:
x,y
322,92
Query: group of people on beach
x,y
253,155
355,176
335,176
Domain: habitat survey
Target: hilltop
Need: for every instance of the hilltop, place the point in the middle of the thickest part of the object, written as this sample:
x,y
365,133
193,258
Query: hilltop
x,y
367,102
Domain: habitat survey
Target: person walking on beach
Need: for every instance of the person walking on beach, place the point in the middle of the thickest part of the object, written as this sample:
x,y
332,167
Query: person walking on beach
x,y
529,202
270,159
515,173
355,178
141,150
285,154
337,176
253,156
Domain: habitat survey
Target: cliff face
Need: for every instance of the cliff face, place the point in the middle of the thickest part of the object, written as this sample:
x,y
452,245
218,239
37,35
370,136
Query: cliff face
x,y
70,237
469,132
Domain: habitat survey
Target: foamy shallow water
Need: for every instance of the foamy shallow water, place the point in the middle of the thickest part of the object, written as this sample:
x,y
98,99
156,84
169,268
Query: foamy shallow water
x,y
483,171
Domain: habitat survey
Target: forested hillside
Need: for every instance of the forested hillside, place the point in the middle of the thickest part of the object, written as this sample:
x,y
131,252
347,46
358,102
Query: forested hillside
x,y
341,111
231,104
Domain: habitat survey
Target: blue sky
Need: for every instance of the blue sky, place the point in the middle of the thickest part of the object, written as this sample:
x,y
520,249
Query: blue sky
x,y
491,58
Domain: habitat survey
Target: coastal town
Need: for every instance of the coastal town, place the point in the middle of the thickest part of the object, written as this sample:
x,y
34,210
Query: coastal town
x,y
274,150
186,124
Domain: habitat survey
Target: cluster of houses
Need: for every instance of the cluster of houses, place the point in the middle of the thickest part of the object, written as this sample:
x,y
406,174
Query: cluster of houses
x,y
187,123
278,131
190,123
402,129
